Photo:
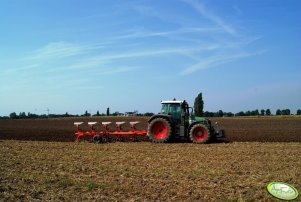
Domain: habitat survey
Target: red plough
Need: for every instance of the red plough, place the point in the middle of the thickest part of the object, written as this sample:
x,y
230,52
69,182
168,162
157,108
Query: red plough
x,y
105,135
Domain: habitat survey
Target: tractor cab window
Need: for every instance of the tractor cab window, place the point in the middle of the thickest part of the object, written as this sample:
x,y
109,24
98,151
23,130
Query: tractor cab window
x,y
164,109
171,109
175,109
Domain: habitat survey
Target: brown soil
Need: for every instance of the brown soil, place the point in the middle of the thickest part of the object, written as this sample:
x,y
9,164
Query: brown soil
x,y
262,129
60,171
258,129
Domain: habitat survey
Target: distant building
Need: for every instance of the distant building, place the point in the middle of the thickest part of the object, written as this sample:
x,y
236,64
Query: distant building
x,y
134,113
117,113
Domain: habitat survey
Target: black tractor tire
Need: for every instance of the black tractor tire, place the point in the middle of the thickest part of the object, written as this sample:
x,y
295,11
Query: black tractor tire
x,y
159,130
199,134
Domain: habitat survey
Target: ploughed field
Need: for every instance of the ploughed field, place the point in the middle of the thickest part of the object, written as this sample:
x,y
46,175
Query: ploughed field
x,y
144,171
254,129
256,151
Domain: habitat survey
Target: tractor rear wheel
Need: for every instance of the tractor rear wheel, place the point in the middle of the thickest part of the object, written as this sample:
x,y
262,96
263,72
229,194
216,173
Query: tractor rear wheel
x,y
199,133
159,130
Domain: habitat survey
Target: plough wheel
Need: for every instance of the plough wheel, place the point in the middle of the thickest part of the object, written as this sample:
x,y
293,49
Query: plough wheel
x,y
96,139
159,130
199,134
105,138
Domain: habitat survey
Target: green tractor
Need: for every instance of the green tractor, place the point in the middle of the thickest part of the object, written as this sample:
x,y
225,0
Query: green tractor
x,y
177,121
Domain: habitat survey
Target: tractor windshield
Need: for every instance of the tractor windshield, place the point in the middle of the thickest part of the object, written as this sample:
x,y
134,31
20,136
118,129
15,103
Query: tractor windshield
x,y
164,109
175,109
171,109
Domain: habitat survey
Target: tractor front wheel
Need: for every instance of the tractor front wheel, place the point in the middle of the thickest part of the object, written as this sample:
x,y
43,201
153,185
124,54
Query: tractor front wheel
x,y
199,134
159,130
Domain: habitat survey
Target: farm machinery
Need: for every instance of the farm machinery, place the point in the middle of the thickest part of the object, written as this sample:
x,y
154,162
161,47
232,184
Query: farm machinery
x,y
175,121
105,135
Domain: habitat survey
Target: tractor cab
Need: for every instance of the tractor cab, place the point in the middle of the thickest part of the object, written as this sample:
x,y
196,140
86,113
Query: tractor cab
x,y
178,110
172,108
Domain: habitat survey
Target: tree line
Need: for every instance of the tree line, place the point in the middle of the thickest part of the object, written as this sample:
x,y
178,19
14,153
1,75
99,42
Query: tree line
x,y
23,115
219,113
198,109
262,112
199,106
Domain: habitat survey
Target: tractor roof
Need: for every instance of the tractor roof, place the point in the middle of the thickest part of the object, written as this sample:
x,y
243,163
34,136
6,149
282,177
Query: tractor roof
x,y
172,102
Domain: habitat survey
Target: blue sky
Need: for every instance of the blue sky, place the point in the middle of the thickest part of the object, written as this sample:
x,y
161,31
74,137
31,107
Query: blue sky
x,y
77,55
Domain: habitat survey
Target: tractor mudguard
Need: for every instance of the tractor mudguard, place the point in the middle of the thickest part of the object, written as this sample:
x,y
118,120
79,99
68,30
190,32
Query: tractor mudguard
x,y
196,122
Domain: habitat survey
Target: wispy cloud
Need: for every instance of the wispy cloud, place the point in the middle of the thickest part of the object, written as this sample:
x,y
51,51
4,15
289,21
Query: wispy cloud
x,y
96,61
100,69
29,67
216,60
237,10
116,70
241,42
146,10
61,49
138,33
161,52
210,16
100,62
54,56
142,33
229,43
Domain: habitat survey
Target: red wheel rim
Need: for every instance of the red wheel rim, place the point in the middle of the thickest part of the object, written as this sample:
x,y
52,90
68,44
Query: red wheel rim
x,y
159,130
199,134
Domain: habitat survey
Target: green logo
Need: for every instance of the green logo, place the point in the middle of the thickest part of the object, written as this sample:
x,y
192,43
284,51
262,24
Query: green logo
x,y
282,190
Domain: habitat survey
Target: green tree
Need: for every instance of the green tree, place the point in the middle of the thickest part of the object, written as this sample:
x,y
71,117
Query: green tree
x,y
286,112
108,111
220,113
148,114
240,114
229,114
255,112
199,105
97,113
208,114
299,112
262,112
278,112
13,115
268,112
22,115
87,114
